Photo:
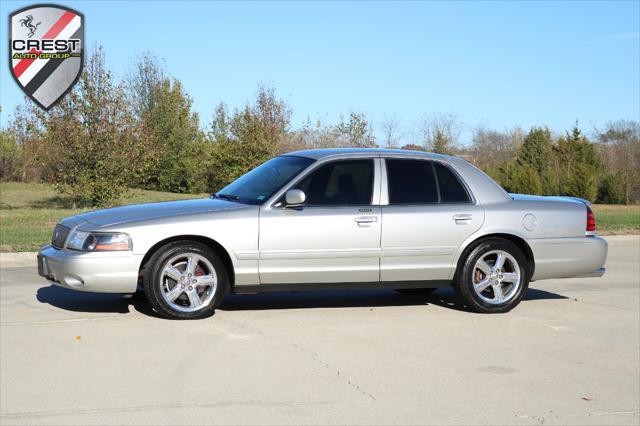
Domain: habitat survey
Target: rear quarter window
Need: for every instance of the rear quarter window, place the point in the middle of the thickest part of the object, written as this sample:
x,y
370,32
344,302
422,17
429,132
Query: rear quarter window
x,y
451,189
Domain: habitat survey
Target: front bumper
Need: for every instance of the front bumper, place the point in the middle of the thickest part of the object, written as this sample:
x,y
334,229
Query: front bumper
x,y
106,272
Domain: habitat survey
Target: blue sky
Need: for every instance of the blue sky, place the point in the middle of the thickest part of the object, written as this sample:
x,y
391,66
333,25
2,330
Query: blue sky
x,y
498,64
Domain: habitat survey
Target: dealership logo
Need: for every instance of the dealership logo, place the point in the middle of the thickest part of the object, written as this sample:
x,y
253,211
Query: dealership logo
x,y
46,49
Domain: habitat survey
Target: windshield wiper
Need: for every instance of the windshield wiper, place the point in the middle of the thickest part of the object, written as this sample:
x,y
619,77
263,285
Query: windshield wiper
x,y
227,197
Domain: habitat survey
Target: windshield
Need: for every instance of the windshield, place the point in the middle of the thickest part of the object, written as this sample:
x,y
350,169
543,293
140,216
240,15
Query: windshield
x,y
265,180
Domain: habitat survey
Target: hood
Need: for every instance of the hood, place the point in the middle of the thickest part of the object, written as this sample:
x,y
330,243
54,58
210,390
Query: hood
x,y
526,197
152,211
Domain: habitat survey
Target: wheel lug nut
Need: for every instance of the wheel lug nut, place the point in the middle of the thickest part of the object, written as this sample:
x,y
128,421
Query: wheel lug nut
x,y
190,288
181,285
195,281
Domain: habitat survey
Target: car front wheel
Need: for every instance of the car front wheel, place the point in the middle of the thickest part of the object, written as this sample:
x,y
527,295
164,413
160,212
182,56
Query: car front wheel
x,y
185,280
494,277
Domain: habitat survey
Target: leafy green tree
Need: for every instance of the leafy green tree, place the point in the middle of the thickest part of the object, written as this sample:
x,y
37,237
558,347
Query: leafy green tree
x,y
356,132
582,182
174,131
574,158
246,138
620,152
166,128
535,156
441,143
11,156
88,138
611,190
517,178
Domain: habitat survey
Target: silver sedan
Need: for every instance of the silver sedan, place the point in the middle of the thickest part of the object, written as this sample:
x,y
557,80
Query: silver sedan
x,y
331,219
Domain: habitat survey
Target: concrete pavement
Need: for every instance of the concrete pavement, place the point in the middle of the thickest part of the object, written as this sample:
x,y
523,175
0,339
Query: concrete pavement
x,y
569,354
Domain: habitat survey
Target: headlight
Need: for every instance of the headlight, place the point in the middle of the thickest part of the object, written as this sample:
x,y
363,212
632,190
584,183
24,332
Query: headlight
x,y
99,241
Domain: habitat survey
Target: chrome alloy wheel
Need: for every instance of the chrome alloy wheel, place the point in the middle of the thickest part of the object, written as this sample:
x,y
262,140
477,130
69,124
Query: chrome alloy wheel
x,y
188,282
496,277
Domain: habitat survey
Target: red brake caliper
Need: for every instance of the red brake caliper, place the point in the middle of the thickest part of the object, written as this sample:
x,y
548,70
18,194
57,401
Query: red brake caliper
x,y
199,272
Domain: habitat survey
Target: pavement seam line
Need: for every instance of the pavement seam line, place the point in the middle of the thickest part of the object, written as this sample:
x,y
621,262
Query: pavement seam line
x,y
312,355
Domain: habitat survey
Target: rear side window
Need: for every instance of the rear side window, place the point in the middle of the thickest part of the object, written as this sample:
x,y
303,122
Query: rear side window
x,y
451,189
423,182
411,182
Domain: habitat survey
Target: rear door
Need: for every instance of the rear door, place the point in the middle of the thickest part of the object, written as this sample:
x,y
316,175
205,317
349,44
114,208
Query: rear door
x,y
429,213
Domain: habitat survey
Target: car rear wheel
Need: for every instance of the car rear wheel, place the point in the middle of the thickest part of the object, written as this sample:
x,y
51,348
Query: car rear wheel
x,y
494,277
185,280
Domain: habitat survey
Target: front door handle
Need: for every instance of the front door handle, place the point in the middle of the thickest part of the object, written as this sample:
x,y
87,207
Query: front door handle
x,y
462,219
366,220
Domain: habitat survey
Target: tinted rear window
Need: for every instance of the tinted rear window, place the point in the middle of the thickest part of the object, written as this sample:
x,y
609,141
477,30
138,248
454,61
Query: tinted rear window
x,y
423,182
411,182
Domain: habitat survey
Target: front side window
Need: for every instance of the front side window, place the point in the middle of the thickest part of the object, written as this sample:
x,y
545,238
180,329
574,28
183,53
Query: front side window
x,y
348,182
265,180
423,182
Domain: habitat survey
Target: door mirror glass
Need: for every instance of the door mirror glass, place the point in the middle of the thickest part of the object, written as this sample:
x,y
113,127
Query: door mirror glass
x,y
295,197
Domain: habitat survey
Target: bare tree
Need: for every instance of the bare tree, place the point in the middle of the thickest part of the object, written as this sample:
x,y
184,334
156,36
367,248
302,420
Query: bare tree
x,y
274,112
391,130
142,80
620,148
492,148
441,132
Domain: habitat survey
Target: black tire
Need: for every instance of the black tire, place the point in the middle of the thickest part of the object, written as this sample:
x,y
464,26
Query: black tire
x,y
464,283
416,291
152,279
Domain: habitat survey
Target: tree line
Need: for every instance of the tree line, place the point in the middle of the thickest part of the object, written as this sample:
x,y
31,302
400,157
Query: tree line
x,y
106,137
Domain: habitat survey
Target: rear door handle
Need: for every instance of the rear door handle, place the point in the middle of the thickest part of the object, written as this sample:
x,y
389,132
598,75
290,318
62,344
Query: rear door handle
x,y
366,220
462,219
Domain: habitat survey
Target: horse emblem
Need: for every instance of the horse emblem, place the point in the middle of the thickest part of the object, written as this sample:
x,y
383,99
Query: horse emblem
x,y
27,22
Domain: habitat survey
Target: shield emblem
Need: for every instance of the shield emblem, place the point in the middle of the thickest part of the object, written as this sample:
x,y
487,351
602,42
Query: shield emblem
x,y
46,49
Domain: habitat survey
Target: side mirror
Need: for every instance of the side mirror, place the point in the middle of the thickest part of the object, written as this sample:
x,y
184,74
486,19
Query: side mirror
x,y
294,197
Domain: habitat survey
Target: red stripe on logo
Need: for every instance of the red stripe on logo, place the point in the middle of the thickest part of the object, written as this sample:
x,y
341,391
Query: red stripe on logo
x,y
53,32
59,26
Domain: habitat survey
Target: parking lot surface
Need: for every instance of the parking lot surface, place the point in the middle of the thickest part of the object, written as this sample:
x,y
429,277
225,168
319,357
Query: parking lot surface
x,y
568,354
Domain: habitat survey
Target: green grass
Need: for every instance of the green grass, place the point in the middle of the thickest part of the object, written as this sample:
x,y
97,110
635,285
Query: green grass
x,y
615,219
29,211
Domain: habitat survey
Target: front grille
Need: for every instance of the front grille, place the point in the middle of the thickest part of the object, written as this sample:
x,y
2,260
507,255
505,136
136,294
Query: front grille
x,y
60,234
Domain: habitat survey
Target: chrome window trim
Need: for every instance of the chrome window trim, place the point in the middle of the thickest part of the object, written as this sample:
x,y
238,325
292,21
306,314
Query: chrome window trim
x,y
384,182
377,184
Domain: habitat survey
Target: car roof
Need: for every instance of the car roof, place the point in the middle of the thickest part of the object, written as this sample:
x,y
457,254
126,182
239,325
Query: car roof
x,y
331,152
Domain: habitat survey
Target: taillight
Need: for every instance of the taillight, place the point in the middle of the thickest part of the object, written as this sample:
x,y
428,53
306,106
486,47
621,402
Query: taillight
x,y
591,220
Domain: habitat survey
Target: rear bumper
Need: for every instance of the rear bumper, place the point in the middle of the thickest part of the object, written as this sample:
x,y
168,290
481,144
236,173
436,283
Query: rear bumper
x,y
108,272
595,274
575,257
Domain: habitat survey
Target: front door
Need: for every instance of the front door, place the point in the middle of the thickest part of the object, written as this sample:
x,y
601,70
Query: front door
x,y
333,237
